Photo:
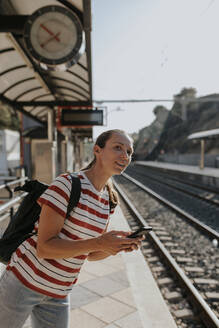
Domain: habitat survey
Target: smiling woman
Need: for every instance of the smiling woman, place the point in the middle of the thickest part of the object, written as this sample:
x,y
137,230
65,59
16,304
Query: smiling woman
x,y
44,268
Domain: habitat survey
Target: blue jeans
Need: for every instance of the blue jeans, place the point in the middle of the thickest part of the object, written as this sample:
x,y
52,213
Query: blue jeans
x,y
17,302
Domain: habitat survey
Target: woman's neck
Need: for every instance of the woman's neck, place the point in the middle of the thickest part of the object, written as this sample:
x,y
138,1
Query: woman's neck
x,y
97,178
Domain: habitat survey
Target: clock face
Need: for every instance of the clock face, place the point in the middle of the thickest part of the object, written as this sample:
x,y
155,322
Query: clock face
x,y
54,36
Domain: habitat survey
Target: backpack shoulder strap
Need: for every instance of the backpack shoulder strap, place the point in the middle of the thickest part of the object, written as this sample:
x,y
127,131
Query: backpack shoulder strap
x,y
75,193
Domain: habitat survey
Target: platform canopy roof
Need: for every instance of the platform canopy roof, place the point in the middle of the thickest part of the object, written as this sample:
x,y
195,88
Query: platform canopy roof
x,y
209,134
23,84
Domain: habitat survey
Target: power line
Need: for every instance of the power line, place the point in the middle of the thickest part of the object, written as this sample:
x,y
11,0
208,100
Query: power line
x,y
132,100
180,100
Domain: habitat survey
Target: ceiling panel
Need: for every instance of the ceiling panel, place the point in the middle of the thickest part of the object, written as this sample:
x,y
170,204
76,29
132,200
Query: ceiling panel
x,y
22,79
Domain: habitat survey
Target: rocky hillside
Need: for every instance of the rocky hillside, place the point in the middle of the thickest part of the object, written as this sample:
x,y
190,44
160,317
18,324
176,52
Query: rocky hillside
x,y
149,136
180,123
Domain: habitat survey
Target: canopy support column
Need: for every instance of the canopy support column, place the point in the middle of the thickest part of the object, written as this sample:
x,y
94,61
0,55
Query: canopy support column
x,y
202,160
52,138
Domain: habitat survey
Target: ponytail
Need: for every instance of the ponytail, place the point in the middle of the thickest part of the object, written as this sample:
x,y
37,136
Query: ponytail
x,y
113,195
89,165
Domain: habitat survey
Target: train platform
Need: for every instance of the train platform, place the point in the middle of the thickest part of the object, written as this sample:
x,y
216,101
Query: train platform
x,y
207,171
119,291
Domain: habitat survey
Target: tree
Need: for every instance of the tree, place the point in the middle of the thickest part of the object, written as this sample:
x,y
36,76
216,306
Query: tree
x,y
8,118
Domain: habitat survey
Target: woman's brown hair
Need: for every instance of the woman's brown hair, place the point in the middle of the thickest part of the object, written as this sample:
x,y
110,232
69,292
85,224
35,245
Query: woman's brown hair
x,y
101,142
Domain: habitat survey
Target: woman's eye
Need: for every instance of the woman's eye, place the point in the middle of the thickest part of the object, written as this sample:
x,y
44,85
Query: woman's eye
x,y
118,147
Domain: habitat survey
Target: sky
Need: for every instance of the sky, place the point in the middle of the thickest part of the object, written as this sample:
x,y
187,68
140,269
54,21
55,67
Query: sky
x,y
151,49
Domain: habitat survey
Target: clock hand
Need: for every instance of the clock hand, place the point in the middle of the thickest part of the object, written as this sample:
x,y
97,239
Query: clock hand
x,y
50,32
50,39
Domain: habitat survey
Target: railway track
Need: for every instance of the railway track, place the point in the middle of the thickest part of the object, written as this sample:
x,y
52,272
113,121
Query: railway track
x,y
205,192
166,254
196,202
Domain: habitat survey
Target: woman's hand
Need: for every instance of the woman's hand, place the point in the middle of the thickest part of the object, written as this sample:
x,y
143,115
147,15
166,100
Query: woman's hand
x,y
115,241
133,246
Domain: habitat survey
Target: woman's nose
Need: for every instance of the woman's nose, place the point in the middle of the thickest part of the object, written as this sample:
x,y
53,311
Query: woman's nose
x,y
125,155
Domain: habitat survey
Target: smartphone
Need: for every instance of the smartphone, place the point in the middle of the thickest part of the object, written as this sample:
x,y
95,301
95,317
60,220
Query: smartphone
x,y
140,232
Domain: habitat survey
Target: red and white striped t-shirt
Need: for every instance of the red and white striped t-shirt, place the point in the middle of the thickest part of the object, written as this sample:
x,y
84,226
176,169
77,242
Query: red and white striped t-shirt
x,y
55,277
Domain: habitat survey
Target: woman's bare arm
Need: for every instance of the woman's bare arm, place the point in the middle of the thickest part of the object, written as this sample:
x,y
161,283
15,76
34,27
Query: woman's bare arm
x,y
50,246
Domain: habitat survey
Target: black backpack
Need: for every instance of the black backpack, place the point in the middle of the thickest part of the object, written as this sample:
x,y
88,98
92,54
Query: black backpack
x,y
22,222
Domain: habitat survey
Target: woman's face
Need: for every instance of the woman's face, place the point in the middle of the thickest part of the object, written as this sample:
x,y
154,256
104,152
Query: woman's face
x,y
116,155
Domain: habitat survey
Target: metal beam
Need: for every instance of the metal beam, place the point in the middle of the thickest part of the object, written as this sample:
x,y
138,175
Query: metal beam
x,y
87,29
2,51
51,103
12,69
70,82
17,83
73,8
26,92
41,96
62,94
72,90
13,23
78,76
82,66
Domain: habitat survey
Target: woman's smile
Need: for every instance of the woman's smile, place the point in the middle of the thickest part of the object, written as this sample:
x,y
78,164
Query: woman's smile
x,y
121,165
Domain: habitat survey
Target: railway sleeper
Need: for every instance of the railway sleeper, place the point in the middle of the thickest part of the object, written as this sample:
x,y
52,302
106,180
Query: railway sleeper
x,y
184,260
161,233
165,238
185,314
177,251
170,244
153,259
204,281
148,250
194,271
212,296
158,269
165,281
159,228
154,224
173,296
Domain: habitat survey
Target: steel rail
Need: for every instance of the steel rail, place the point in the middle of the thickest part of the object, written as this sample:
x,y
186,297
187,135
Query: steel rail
x,y
13,182
11,203
201,226
206,315
8,178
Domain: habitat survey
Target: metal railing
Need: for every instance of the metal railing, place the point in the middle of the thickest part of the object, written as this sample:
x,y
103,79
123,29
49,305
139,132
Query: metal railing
x,y
11,201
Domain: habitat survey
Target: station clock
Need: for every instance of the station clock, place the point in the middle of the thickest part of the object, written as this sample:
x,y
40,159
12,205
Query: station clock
x,y
54,37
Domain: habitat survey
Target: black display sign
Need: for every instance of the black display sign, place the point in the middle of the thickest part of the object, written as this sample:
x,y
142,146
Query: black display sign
x,y
75,117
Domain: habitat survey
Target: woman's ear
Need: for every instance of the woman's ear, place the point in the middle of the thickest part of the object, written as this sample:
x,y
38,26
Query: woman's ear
x,y
96,149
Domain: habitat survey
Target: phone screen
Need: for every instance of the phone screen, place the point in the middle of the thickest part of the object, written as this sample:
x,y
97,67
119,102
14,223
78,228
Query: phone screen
x,y
140,232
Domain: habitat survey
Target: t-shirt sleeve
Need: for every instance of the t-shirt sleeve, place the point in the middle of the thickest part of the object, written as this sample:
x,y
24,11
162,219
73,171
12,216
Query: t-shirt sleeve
x,y
57,195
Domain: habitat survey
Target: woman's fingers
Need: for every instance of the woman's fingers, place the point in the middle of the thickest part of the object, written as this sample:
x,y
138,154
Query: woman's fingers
x,y
120,233
129,246
116,241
